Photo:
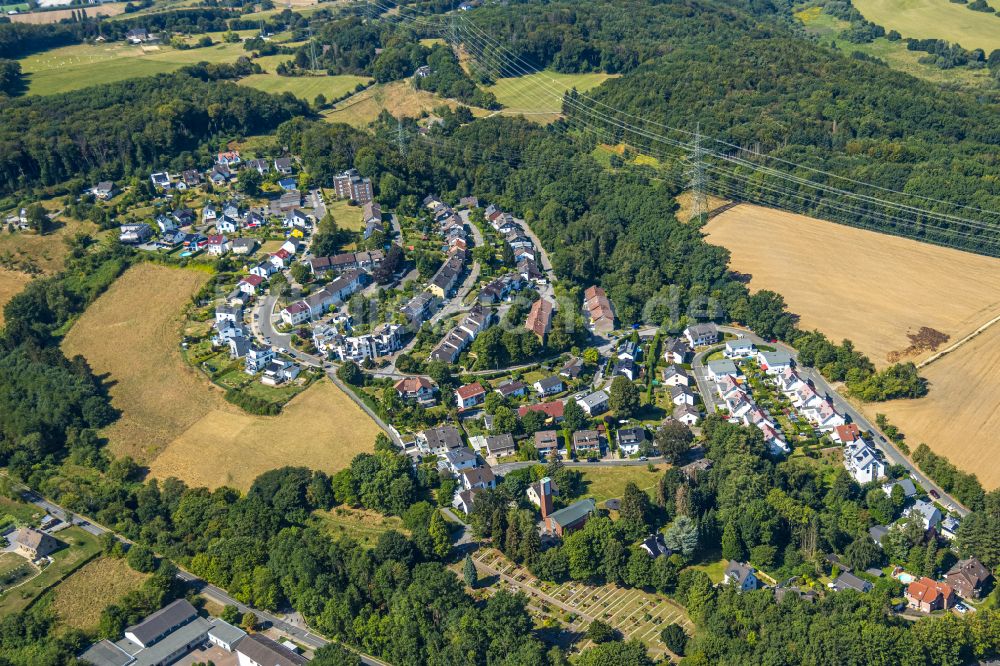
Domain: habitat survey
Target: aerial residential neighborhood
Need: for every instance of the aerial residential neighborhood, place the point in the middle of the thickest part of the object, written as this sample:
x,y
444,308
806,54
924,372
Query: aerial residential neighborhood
x,y
486,333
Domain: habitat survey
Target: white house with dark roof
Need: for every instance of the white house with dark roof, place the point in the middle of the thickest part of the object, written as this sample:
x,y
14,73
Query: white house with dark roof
x,y
549,385
594,404
929,514
863,463
740,575
700,335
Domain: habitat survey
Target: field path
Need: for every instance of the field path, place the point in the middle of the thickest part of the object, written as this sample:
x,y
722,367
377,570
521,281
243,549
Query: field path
x,y
958,344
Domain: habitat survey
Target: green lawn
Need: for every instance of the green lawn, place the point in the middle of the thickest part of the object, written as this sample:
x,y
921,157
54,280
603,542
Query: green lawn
x,y
73,67
604,483
541,94
21,512
363,526
936,19
895,54
348,217
14,569
715,569
303,87
80,547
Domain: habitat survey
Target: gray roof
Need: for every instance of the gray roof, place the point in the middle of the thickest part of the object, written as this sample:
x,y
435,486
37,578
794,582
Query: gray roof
x,y
909,490
738,570
594,399
170,617
877,532
459,456
226,632
776,357
447,436
106,653
847,580
266,652
549,382
722,366
573,512
175,641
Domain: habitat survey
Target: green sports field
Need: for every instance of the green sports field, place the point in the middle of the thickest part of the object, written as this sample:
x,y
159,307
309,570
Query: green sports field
x,y
936,19
539,96
73,67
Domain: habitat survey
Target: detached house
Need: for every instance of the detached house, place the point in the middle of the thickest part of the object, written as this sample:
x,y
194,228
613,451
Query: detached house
x,y
598,310
594,404
968,577
700,335
930,515
549,386
927,595
470,395
631,440
416,389
438,441
863,462
740,348
740,575
33,544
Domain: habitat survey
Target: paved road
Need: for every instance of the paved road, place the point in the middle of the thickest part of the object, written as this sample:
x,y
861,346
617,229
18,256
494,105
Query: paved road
x,y
883,443
293,628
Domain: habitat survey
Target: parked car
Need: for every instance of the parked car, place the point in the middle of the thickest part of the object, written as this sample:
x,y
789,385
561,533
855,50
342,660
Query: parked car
x,y
933,493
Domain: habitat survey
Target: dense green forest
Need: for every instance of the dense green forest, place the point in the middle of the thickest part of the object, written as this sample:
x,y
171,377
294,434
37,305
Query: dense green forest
x,y
127,128
755,85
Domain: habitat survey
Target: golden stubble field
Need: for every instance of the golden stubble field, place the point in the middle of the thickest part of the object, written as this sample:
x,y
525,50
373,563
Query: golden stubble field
x,y
851,283
960,416
174,420
873,288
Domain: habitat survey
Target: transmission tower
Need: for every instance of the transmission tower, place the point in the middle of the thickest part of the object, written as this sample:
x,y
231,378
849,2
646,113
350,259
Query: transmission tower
x,y
696,176
312,49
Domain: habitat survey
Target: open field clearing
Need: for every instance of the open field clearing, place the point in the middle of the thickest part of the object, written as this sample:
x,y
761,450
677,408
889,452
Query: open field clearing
x,y
350,218
895,54
851,283
56,15
960,417
538,96
73,67
131,332
79,600
362,525
46,252
924,19
399,98
303,87
11,283
79,547
635,613
604,483
174,420
320,428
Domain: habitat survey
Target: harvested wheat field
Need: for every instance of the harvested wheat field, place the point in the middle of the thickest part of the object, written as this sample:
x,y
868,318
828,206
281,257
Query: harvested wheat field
x,y
174,420
960,416
11,283
320,428
871,288
79,600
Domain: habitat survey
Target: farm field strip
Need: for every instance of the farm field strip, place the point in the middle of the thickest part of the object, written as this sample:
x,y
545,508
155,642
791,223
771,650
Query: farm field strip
x,y
932,19
174,420
856,284
960,416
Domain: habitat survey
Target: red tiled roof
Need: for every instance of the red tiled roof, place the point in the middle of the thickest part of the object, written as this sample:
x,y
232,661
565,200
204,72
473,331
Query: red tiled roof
x,y
413,384
469,390
254,280
554,409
